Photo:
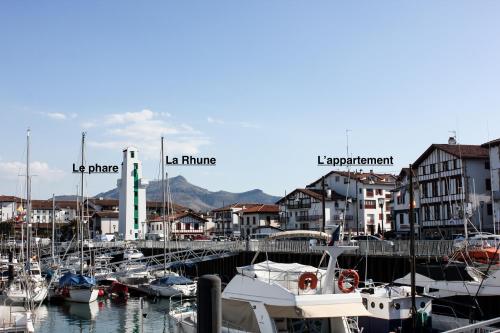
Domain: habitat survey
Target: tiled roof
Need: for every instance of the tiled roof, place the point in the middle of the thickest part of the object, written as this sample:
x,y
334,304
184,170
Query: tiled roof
x,y
314,193
495,142
235,205
158,205
42,204
264,208
9,198
107,214
363,177
104,202
460,151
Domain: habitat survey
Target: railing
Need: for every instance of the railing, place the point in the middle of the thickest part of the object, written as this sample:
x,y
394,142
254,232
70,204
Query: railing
x,y
303,218
479,327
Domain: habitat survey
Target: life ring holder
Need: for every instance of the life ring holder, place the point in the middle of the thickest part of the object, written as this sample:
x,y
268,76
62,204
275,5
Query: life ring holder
x,y
308,279
348,274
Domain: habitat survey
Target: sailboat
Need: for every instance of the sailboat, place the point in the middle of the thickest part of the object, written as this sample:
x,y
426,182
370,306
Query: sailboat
x,y
29,286
170,284
78,287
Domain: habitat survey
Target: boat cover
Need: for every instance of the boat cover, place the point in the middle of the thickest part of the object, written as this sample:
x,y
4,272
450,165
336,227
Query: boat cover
x,y
70,279
173,279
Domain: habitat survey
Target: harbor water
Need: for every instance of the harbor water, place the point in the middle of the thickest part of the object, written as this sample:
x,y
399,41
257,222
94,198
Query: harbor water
x,y
105,316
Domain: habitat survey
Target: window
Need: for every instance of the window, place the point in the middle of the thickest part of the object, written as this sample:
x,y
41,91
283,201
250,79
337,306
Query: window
x,y
360,191
337,178
159,227
253,220
346,180
380,217
437,211
132,154
370,204
487,165
489,209
401,219
445,166
369,192
370,218
455,164
488,184
179,226
248,220
188,226
433,168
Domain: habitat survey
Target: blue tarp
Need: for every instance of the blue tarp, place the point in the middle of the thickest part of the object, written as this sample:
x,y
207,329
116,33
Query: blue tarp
x,y
172,279
70,279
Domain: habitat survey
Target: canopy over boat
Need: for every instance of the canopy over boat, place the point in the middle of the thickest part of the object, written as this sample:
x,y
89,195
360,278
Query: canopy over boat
x,y
172,280
70,279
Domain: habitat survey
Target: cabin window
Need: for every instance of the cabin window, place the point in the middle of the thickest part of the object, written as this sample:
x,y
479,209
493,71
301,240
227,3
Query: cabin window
x,y
372,304
381,306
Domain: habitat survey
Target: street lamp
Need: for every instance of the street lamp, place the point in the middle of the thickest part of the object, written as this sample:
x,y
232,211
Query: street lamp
x,y
381,205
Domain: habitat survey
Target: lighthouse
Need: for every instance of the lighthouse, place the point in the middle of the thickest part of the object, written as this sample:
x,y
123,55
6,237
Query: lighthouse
x,y
132,188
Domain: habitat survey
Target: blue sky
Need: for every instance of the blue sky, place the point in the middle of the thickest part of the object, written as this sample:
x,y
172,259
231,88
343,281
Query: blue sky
x,y
263,86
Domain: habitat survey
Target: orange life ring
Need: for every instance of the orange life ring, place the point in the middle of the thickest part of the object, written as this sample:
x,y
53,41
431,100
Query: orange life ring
x,y
308,279
351,274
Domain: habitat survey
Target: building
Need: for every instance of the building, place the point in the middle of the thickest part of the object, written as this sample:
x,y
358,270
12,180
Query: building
x,y
372,194
41,211
101,204
9,206
302,209
226,219
401,202
105,222
132,188
68,210
182,225
494,159
262,215
455,186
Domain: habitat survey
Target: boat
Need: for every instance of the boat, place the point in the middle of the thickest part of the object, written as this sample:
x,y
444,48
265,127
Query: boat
x,y
73,287
29,285
172,285
169,284
130,254
390,308
76,288
276,297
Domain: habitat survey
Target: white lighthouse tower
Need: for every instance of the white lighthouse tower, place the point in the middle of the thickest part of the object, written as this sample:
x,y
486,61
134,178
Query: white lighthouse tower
x,y
132,187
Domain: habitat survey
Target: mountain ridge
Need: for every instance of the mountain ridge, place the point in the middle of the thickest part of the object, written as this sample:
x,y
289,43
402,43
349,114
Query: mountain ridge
x,y
196,197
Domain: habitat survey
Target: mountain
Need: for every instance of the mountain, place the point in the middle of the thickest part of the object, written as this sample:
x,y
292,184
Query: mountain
x,y
195,197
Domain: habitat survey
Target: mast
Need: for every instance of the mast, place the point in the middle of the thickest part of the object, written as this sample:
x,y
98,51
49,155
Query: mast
x,y
163,208
411,216
53,226
80,227
28,203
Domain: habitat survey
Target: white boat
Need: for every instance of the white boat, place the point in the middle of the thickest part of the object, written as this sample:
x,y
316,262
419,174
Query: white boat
x,y
390,308
173,285
76,288
28,287
274,297
132,254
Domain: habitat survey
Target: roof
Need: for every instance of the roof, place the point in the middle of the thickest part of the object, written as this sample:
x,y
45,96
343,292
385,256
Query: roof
x,y
109,214
72,204
460,151
495,142
363,177
235,205
314,193
9,198
176,217
263,208
104,202
42,204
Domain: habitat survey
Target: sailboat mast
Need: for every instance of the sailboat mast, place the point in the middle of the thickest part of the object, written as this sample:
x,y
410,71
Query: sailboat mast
x,y
28,202
82,209
163,208
53,226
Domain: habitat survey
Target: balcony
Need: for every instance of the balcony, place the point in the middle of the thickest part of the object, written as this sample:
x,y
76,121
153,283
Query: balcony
x,y
298,205
340,218
308,218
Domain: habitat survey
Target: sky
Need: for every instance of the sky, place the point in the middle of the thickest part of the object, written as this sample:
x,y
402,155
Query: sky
x,y
263,86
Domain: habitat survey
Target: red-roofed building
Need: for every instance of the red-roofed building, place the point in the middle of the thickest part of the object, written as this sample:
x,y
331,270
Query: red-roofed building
x,y
258,216
494,154
8,207
226,218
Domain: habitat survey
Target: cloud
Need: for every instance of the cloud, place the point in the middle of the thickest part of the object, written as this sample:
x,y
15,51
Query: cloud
x,y
244,124
143,130
41,170
215,121
59,115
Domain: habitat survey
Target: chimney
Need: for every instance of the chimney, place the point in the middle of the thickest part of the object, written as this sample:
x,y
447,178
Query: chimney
x,y
452,140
